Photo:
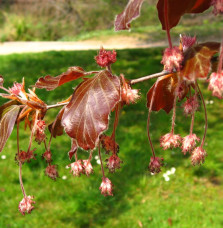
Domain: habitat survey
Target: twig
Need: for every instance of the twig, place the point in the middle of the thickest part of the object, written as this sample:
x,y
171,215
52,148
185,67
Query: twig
x,y
151,76
56,105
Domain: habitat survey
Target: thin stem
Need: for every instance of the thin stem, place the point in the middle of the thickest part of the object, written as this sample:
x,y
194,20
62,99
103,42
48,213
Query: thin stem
x,y
99,154
174,106
148,120
220,58
205,115
90,156
6,90
20,180
193,114
33,130
108,68
167,23
117,111
56,105
148,77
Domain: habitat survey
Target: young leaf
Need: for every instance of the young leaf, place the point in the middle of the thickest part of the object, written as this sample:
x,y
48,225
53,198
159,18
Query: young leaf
x,y
164,94
73,149
197,60
50,83
86,116
131,12
55,128
7,122
177,8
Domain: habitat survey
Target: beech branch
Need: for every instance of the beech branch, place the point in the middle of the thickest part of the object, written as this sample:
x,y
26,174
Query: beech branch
x,y
151,76
56,105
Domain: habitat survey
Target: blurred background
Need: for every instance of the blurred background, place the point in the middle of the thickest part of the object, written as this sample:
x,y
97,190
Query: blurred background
x,y
180,196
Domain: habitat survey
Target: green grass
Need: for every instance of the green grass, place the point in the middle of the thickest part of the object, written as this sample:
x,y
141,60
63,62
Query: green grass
x,y
192,197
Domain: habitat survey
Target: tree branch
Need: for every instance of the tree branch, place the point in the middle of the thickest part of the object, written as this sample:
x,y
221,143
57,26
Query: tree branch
x,y
56,105
145,78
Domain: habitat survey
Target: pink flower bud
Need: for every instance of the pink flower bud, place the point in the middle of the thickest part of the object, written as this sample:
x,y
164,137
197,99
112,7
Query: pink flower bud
x,y
216,84
169,141
106,187
26,205
187,42
51,172
218,6
47,156
198,156
23,156
113,163
16,89
128,94
172,58
77,168
87,167
105,58
191,105
189,142
39,131
155,164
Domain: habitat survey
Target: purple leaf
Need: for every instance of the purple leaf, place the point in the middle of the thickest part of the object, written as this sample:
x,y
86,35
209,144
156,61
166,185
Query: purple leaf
x,y
7,122
131,12
86,116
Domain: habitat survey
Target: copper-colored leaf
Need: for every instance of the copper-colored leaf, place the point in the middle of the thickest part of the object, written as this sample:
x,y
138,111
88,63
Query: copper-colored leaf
x,y
7,123
73,149
131,12
50,83
55,128
177,8
86,116
164,94
197,60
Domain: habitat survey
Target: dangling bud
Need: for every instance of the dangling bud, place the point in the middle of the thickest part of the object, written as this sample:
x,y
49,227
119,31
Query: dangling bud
x,y
191,105
155,164
216,84
188,143
170,140
51,172
109,144
47,156
23,156
26,205
106,187
87,167
198,156
77,168
113,163
39,131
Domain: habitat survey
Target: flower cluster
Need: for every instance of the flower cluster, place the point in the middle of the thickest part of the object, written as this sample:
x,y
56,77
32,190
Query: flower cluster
x,y
128,94
155,164
113,163
106,187
105,58
172,58
189,142
170,140
26,205
191,105
24,156
198,156
40,131
216,84
80,167
51,172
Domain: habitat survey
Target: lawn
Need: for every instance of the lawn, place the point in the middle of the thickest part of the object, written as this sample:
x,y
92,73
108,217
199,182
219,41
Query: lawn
x,y
193,197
